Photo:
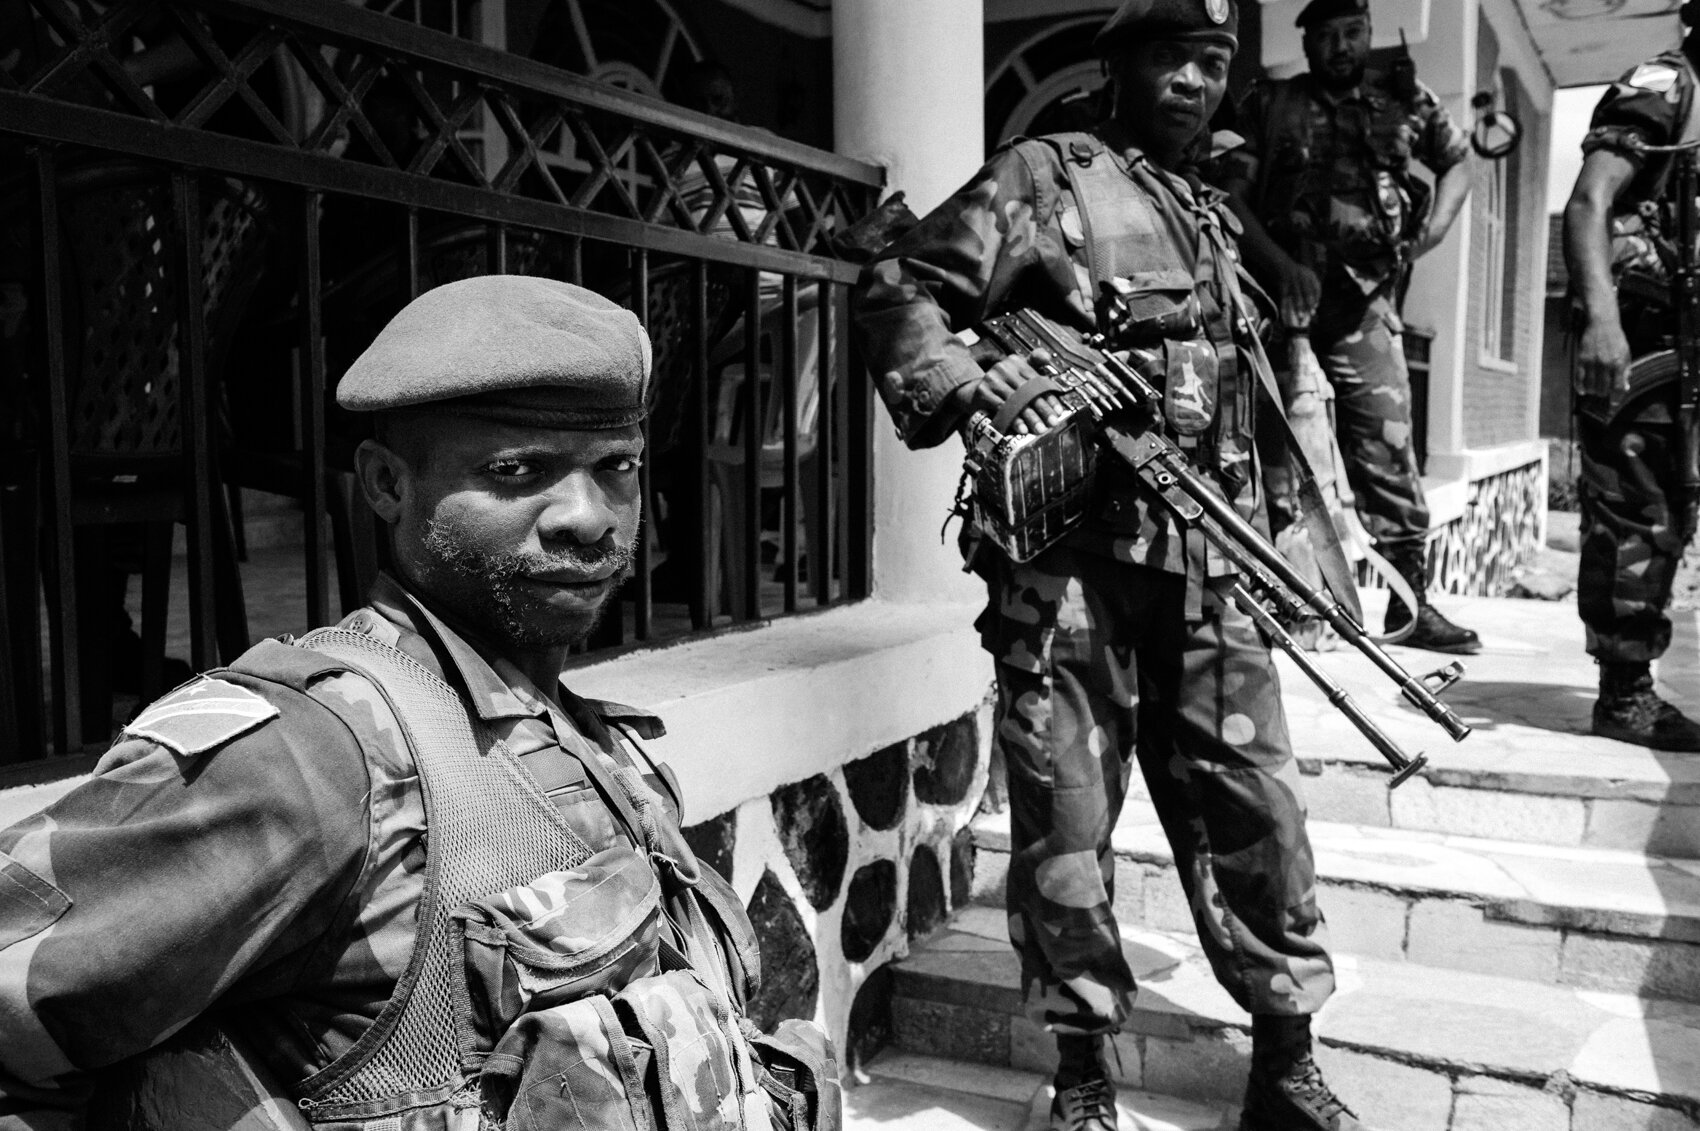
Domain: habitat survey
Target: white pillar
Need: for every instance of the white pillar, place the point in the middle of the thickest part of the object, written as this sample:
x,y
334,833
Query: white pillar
x,y
908,78
1440,295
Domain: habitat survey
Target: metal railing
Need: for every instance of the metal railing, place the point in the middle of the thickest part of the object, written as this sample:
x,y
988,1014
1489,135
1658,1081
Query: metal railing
x,y
282,176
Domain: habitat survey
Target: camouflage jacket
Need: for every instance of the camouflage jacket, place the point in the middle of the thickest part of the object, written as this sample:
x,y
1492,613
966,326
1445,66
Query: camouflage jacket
x,y
1331,172
1649,105
1012,237
252,847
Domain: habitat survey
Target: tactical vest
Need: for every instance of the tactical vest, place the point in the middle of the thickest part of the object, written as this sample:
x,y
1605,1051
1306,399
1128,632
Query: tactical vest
x,y
489,828
1176,252
1355,204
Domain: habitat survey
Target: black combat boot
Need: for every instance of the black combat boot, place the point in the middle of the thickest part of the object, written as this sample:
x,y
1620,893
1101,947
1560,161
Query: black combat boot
x,y
1285,1091
1085,1096
1629,710
1433,632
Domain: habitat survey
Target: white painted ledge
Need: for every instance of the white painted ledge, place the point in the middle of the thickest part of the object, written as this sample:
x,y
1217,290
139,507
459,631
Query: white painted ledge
x,y
751,711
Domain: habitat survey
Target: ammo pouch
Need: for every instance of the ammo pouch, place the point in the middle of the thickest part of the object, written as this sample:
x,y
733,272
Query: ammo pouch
x,y
610,995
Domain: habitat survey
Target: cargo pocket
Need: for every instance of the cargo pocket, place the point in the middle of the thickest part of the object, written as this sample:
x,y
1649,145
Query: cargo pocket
x,y
1147,307
564,936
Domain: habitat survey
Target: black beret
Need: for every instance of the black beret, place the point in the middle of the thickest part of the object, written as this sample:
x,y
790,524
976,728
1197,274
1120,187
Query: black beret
x,y
539,350
1318,10
1158,19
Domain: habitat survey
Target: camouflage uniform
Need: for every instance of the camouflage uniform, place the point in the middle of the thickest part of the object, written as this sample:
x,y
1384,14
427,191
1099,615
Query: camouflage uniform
x,y
1332,181
1632,538
1113,643
248,843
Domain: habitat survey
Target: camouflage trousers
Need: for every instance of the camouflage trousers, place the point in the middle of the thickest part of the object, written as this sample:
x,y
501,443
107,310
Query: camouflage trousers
x,y
1360,345
1096,665
1632,536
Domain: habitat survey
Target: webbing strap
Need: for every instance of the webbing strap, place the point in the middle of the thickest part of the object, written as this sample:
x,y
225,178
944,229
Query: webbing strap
x,y
1029,391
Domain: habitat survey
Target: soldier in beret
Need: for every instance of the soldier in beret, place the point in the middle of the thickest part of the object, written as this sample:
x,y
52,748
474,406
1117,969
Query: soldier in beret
x,y
1118,645
1620,241
1334,216
274,844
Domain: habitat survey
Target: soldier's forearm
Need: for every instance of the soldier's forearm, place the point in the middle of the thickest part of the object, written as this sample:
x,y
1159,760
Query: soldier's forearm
x,y
1587,253
1450,193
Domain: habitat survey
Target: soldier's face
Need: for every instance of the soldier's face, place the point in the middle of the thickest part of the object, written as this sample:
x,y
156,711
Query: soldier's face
x,y
1167,90
525,533
1338,49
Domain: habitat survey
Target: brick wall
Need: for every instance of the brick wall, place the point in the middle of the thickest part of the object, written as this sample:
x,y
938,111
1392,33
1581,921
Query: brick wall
x,y
1498,397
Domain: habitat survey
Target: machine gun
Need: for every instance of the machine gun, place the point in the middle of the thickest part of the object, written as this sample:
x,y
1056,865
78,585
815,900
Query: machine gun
x,y
1685,296
1027,503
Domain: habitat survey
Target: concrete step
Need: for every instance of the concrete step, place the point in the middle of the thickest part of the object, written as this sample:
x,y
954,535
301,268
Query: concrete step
x,y
1531,771
1578,917
1408,1047
900,1091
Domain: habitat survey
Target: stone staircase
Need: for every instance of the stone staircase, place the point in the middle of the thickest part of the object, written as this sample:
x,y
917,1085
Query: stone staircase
x,y
1517,933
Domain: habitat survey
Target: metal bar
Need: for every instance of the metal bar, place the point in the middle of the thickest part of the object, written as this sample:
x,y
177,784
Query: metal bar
x,y
498,249
703,595
575,260
858,451
788,378
645,598
315,502
199,474
753,418
345,24
827,452
43,119
61,613
412,254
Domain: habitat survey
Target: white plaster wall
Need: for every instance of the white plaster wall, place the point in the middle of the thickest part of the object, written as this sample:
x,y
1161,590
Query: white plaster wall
x,y
906,95
749,712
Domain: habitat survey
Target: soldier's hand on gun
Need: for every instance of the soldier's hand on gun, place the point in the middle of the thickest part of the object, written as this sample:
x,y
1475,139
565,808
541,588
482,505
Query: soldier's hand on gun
x,y
1000,383
1301,291
1602,359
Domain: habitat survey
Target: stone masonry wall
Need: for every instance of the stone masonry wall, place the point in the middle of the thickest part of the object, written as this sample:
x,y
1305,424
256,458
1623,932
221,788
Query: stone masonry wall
x,y
1500,529
842,871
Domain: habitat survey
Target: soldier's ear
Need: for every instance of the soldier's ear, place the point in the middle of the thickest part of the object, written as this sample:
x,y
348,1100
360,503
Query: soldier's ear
x,y
383,478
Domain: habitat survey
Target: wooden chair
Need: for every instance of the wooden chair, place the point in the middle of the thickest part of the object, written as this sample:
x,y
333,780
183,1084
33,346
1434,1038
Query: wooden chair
x,y
726,455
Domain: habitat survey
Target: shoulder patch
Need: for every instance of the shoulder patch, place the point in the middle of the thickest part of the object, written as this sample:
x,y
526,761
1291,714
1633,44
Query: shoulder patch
x,y
202,715
1657,77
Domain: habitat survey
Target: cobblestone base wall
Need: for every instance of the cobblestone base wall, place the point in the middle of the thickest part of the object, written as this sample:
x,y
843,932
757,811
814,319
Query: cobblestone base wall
x,y
1500,528
844,870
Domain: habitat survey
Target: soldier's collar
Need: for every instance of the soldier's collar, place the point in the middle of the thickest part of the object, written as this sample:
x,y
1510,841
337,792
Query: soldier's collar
x,y
463,665
495,687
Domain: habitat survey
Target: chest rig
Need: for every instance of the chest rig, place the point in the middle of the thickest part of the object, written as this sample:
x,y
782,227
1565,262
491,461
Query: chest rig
x,y
1337,181
1158,249
490,828
1158,274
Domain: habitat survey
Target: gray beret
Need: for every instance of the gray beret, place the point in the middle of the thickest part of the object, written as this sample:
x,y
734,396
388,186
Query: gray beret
x,y
532,350
1217,20
1319,10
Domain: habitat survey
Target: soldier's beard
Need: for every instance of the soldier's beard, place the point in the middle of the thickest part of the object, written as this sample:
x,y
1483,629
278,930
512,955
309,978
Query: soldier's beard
x,y
491,592
1340,80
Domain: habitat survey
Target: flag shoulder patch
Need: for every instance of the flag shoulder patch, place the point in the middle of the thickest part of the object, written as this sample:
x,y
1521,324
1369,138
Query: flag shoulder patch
x,y
201,716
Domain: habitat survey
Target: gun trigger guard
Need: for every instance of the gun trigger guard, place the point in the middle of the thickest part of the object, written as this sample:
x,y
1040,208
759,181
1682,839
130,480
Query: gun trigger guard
x,y
1442,678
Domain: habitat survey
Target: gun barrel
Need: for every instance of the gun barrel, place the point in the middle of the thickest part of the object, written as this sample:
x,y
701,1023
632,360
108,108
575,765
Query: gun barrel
x,y
1403,765
1251,553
